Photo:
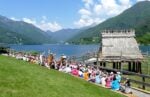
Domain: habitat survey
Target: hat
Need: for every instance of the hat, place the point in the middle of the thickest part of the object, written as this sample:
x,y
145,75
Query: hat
x,y
111,73
63,56
104,75
118,72
51,53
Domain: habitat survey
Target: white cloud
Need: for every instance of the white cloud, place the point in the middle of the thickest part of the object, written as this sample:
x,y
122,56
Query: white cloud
x,y
124,2
13,18
88,3
42,24
30,21
84,12
96,11
84,22
44,17
52,26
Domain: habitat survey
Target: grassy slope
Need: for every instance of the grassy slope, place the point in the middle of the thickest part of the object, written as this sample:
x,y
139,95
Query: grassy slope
x,y
21,79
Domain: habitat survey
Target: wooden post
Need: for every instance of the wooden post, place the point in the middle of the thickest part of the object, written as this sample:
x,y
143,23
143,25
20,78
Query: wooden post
x,y
113,65
101,63
120,66
117,65
140,69
136,67
133,67
143,79
129,66
104,64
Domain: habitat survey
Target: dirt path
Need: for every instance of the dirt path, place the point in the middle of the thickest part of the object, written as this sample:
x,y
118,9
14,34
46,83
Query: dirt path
x,y
139,93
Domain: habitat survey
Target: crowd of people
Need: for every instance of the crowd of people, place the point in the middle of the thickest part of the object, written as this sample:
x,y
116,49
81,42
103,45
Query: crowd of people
x,y
89,73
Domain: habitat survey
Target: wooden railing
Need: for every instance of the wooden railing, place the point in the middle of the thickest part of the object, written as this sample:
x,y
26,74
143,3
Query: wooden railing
x,y
143,76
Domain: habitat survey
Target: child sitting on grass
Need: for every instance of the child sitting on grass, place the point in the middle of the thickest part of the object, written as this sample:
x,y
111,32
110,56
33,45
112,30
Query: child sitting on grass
x,y
126,87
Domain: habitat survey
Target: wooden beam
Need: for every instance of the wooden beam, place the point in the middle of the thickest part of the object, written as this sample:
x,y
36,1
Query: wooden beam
x,y
133,67
129,66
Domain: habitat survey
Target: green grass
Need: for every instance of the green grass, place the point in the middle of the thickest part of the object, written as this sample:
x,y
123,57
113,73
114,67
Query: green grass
x,y
22,79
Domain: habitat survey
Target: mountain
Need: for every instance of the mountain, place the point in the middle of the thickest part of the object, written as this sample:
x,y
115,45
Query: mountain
x,y
9,37
136,17
21,32
63,35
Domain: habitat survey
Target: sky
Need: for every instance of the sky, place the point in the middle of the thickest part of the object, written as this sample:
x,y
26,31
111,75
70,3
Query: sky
x,y
55,15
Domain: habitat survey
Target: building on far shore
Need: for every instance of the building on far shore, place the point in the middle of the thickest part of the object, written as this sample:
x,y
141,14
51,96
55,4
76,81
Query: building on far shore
x,y
118,47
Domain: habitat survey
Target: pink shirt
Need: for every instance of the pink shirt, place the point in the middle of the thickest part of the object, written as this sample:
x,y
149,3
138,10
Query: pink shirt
x,y
75,72
108,81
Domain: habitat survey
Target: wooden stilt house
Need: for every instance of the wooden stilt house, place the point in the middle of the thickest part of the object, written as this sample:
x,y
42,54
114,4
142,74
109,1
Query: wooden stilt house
x,y
120,46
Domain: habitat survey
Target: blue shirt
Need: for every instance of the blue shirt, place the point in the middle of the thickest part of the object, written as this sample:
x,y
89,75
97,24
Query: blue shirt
x,y
118,77
97,79
115,85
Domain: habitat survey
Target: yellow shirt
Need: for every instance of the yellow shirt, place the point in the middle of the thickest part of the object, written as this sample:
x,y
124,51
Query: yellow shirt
x,y
86,76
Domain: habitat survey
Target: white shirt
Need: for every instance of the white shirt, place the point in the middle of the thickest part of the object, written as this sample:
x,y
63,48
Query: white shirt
x,y
67,69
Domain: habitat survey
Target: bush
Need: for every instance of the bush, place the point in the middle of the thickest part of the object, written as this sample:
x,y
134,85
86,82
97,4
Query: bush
x,y
3,50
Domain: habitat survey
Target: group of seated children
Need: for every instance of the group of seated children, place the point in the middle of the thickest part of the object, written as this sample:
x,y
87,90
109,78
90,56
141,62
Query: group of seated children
x,y
109,80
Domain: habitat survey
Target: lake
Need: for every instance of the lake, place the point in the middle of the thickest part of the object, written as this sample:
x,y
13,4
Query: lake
x,y
69,50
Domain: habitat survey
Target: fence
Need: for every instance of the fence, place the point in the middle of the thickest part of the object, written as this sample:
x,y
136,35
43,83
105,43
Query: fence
x,y
143,76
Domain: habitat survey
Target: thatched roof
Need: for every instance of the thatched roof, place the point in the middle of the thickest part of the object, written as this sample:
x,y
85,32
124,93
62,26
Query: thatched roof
x,y
119,45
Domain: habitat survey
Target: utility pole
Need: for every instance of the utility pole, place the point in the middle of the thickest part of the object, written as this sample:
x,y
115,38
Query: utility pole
x,y
98,50
121,61
97,57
